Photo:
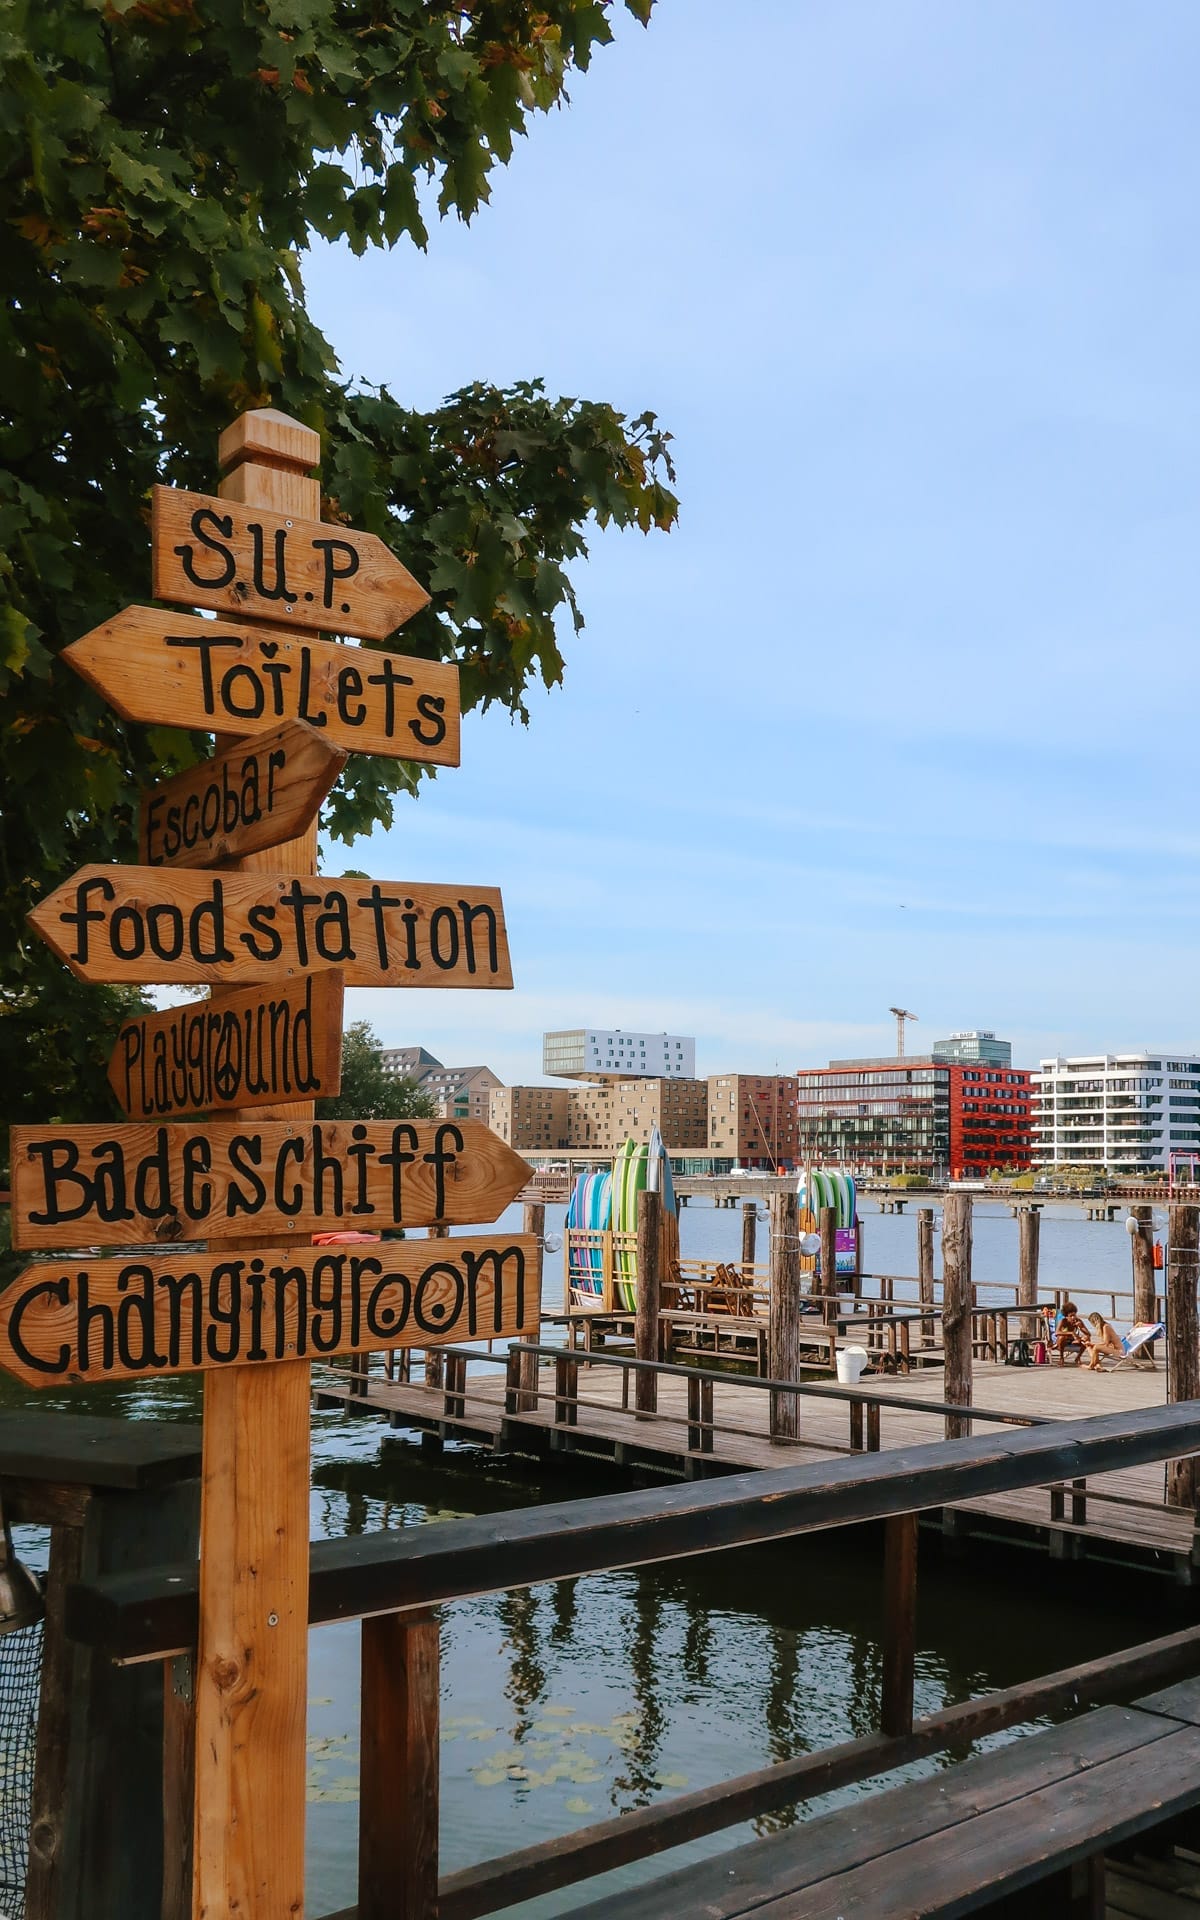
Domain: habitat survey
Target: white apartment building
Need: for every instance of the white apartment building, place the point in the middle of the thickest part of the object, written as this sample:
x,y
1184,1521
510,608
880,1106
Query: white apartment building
x,y
598,1053
1126,1112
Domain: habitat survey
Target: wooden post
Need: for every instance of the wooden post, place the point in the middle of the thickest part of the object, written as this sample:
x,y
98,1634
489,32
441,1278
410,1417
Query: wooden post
x,y
956,1307
398,1769
1029,1230
783,1328
899,1622
534,1222
749,1234
925,1269
252,1666
1142,1250
827,1223
1183,1337
649,1288
435,1360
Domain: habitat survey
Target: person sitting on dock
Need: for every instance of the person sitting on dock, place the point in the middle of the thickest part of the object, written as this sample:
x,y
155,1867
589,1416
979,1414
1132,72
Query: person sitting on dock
x,y
1070,1333
1105,1340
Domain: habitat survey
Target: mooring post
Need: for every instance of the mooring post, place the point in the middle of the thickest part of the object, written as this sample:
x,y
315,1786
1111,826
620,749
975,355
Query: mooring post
x,y
956,1307
398,1768
649,1290
827,1224
435,1360
534,1222
1029,1229
749,1235
252,1665
1183,1337
1142,1252
783,1325
925,1270
899,1622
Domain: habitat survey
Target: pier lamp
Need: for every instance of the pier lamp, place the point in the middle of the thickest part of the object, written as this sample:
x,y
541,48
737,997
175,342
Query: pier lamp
x,y
552,1243
1133,1226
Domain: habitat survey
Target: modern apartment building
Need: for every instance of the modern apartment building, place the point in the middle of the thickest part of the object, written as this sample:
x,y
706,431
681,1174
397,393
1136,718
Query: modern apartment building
x,y
1125,1112
925,1116
752,1118
598,1053
531,1119
599,1118
460,1093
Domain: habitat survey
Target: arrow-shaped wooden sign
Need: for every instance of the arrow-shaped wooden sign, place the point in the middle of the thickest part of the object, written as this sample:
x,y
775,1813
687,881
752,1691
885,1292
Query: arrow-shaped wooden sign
x,y
279,1181
258,794
253,1047
272,566
176,670
141,925
68,1322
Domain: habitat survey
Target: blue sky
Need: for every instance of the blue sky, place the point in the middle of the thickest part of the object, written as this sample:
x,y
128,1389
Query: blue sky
x,y
904,711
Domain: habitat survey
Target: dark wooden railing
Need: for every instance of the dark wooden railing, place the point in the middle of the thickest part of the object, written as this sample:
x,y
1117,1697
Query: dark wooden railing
x,y
392,1581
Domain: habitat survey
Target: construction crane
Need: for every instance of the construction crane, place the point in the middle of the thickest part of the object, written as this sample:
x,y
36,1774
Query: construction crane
x,y
902,1014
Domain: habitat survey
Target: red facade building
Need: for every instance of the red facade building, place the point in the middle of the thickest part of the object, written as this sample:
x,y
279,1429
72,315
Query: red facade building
x,y
991,1120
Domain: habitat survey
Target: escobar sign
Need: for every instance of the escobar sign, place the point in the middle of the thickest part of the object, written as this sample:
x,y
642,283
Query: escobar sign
x,y
141,925
63,1323
281,1179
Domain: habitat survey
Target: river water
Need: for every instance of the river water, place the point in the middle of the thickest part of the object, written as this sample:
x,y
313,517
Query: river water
x,y
572,1702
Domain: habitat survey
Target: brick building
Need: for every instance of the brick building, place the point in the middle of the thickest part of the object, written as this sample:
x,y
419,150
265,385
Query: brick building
x,y
752,1118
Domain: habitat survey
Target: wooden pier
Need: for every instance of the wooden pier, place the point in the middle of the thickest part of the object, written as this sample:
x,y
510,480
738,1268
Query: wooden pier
x,y
706,1423
1092,1816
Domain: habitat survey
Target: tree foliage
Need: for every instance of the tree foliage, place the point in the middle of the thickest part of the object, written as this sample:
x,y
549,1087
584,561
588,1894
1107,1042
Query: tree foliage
x,y
368,1092
163,164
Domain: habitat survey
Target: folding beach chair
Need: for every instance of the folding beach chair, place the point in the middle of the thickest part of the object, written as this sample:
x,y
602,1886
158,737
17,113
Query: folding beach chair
x,y
1138,1344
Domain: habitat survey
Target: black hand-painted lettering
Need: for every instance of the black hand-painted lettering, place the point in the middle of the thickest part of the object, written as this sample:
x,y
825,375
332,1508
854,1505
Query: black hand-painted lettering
x,y
430,707
332,571
203,518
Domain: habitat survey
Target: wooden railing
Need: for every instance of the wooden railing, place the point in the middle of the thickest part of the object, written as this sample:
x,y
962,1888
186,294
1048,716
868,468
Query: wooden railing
x,y
391,1582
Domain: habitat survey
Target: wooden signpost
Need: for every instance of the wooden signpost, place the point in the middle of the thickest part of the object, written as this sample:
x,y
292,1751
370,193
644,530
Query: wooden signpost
x,y
143,926
287,1179
252,1310
260,792
74,1322
254,1047
274,566
175,669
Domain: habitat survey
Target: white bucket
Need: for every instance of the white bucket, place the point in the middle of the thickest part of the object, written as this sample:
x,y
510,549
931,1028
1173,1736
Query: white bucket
x,y
851,1364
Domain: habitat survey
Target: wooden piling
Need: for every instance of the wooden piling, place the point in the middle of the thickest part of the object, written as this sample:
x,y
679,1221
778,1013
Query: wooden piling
x,y
956,1307
1183,1337
749,1234
783,1326
925,1269
649,1290
534,1222
899,1623
398,1769
1142,1251
827,1224
1029,1229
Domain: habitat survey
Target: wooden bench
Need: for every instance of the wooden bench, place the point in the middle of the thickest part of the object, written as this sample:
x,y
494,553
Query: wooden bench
x,y
1036,1814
